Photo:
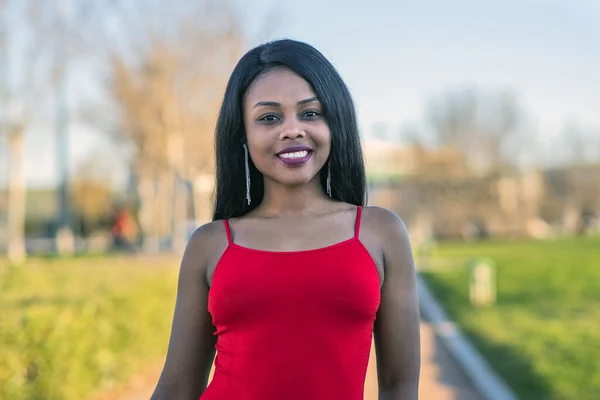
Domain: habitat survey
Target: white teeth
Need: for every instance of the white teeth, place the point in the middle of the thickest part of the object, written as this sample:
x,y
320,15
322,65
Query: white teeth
x,y
298,154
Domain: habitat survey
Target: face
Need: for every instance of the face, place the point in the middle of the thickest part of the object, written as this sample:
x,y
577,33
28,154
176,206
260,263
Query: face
x,y
287,136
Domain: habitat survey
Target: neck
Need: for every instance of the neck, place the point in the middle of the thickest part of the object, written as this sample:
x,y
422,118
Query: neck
x,y
282,200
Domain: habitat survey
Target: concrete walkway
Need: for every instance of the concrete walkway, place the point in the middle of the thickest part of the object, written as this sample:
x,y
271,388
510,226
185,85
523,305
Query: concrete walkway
x,y
441,378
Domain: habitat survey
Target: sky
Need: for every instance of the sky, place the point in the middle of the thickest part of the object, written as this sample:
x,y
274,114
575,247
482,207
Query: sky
x,y
396,55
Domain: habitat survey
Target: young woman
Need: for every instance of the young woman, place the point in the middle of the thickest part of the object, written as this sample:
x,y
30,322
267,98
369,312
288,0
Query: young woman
x,y
293,276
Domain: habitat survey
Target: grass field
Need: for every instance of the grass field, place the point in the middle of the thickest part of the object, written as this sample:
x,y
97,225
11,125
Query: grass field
x,y
71,327
543,336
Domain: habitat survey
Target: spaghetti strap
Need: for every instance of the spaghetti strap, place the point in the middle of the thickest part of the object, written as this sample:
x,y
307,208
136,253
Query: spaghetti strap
x,y
357,224
228,231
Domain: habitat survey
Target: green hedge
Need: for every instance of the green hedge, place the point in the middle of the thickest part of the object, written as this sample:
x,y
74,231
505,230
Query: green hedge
x,y
71,327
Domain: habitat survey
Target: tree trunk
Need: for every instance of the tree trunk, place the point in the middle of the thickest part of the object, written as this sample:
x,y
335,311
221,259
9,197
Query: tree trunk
x,y
146,195
16,198
201,192
164,205
180,216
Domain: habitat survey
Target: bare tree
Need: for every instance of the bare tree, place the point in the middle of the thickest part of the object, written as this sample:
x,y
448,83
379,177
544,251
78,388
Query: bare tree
x,y
167,81
579,194
30,34
453,117
579,144
481,127
21,83
92,196
504,123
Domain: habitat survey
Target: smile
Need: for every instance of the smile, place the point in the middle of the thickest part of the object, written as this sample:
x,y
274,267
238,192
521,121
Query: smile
x,y
298,154
295,156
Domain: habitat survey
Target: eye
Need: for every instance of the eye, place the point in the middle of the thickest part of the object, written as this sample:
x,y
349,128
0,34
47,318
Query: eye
x,y
311,114
270,118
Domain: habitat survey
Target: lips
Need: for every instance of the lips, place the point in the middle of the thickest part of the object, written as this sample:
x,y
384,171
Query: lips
x,y
295,155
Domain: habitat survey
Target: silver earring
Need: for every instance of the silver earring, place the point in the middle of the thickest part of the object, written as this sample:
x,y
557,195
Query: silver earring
x,y
329,179
247,173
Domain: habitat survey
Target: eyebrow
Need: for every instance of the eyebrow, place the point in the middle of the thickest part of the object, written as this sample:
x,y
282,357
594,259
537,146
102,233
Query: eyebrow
x,y
275,104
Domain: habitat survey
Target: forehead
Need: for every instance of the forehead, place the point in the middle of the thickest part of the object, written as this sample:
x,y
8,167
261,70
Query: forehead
x,y
279,84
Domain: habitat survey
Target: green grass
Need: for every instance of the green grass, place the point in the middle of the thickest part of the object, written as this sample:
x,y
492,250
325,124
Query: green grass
x,y
543,335
69,327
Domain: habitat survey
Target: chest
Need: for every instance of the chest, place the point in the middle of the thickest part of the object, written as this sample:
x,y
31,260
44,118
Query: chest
x,y
337,282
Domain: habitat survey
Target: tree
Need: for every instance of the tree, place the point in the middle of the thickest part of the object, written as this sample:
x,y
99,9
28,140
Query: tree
x,y
481,126
22,47
32,34
92,196
579,144
167,81
453,116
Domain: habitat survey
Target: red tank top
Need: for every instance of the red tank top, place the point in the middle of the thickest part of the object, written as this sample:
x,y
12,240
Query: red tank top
x,y
293,325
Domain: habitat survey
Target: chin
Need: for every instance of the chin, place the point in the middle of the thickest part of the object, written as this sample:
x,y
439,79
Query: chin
x,y
297,180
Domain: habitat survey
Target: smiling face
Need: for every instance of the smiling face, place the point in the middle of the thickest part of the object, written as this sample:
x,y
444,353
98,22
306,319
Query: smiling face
x,y
288,138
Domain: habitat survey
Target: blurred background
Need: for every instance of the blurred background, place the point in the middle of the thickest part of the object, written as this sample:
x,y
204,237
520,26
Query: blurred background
x,y
481,129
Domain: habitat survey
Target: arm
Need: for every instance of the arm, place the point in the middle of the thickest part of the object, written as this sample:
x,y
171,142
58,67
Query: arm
x,y
192,343
397,327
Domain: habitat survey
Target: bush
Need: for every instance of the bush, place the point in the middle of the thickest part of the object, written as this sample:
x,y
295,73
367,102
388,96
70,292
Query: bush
x,y
71,327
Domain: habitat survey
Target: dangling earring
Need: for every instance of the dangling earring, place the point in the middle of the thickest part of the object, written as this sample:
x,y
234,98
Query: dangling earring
x,y
247,173
328,185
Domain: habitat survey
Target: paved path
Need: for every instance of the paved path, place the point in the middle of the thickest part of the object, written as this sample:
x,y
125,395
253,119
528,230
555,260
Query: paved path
x,y
441,379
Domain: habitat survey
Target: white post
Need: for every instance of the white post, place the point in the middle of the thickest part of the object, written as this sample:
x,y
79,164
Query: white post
x,y
482,282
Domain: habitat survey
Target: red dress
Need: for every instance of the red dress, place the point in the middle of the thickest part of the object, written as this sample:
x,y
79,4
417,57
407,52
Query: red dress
x,y
293,325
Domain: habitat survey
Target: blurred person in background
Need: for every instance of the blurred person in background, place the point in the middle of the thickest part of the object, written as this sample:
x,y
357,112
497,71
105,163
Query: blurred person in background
x,y
294,274
124,230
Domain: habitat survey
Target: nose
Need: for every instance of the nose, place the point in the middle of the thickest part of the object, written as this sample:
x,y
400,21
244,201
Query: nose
x,y
292,129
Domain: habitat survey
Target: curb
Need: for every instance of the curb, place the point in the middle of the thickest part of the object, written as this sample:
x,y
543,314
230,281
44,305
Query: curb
x,y
477,369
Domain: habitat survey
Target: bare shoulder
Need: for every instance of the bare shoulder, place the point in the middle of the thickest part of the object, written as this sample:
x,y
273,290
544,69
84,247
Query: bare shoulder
x,y
206,243
386,232
208,233
385,225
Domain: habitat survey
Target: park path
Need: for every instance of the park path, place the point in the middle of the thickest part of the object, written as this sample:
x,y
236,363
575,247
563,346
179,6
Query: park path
x,y
441,378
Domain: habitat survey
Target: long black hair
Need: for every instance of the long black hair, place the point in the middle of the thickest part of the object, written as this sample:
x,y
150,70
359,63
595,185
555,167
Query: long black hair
x,y
348,177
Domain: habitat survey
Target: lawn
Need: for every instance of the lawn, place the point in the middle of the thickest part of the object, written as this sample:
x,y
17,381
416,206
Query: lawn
x,y
69,327
543,335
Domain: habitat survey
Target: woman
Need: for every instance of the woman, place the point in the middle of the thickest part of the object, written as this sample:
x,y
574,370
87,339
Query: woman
x,y
293,275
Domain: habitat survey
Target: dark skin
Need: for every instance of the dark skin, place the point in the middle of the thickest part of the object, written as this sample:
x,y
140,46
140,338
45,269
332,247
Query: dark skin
x,y
295,215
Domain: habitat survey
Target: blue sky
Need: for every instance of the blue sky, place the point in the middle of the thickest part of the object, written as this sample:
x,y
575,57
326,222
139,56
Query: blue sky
x,y
396,55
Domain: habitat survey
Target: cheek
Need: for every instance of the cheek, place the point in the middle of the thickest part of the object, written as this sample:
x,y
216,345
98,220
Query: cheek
x,y
324,139
260,149
257,140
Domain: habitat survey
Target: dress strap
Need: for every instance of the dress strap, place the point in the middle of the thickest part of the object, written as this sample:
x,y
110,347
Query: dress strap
x,y
357,224
228,231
